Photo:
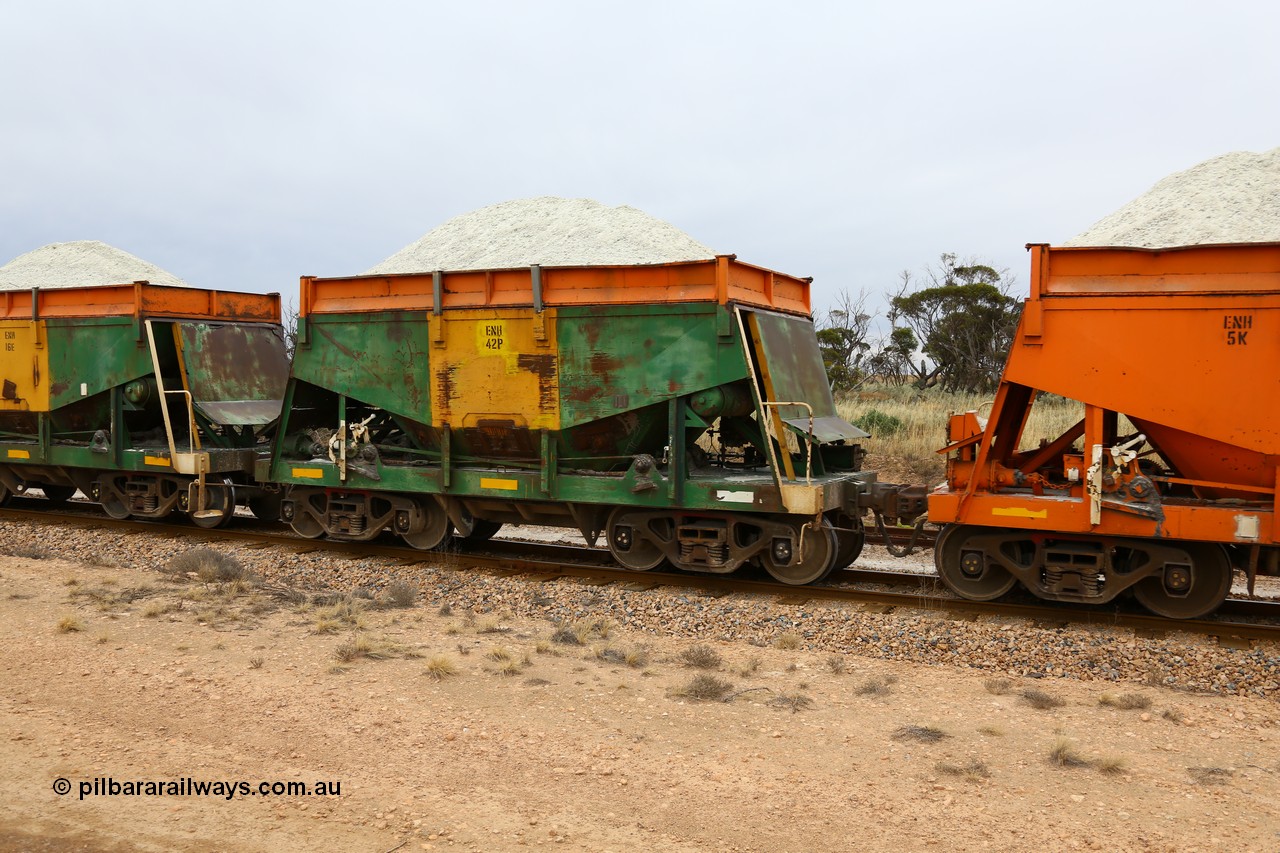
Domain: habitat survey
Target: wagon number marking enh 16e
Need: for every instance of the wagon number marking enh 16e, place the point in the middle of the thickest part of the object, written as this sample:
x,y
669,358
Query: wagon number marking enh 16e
x,y
1237,326
493,336
9,337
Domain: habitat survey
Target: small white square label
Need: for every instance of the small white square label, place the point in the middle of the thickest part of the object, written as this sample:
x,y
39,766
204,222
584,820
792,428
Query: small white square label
x,y
1247,527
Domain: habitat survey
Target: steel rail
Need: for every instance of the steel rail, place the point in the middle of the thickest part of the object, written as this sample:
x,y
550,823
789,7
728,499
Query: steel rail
x,y
547,561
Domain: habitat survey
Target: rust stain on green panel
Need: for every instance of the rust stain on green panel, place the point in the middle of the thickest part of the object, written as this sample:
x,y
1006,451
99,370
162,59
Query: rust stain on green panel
x,y
790,351
380,359
616,358
236,373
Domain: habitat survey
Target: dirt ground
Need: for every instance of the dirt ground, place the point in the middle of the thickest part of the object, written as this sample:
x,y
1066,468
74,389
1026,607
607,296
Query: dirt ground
x,y
118,675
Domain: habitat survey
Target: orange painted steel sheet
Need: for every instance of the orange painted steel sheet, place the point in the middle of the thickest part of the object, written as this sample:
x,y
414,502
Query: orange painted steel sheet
x,y
140,300
1186,342
722,280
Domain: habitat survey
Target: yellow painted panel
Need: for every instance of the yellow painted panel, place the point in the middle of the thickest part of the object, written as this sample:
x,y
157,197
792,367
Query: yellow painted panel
x,y
19,454
309,473
491,367
1019,512
505,485
24,366
157,460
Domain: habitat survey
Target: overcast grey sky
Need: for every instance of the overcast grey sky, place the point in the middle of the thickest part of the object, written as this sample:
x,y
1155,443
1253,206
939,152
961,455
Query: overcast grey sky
x,y
242,144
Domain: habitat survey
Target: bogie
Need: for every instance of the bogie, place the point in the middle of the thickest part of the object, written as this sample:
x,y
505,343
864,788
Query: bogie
x,y
1178,580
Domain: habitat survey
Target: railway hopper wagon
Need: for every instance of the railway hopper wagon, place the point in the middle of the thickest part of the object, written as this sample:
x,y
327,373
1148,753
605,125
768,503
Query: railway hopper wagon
x,y
1167,482
149,399
681,411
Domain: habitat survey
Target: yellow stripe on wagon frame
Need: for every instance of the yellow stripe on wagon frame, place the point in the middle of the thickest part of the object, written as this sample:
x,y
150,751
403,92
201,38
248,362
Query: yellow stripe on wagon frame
x,y
19,454
1019,512
309,473
156,460
505,485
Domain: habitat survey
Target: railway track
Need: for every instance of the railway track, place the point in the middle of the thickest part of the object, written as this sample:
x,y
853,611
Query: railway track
x,y
1237,622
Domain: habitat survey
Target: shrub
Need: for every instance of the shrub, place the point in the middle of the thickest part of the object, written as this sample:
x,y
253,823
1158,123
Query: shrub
x,y
1041,700
440,667
1111,764
787,640
795,702
1064,754
701,657
208,565
878,423
878,685
705,688
973,770
1125,701
401,594
924,734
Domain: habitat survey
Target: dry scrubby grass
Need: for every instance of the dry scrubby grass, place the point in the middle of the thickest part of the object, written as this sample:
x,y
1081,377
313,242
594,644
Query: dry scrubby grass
x,y
203,578
910,425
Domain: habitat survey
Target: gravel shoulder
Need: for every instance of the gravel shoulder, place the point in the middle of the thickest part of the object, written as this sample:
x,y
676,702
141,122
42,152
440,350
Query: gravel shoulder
x,y
964,735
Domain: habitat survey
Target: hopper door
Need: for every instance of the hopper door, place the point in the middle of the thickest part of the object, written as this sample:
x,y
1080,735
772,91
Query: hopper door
x,y
791,382
236,372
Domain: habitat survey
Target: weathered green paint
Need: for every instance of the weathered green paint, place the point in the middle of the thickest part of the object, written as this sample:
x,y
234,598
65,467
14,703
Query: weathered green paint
x,y
624,358
379,359
236,372
98,353
625,377
795,364
90,361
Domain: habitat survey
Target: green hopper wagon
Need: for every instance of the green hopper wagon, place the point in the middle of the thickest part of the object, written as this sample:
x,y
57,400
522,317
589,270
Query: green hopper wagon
x,y
148,399
681,410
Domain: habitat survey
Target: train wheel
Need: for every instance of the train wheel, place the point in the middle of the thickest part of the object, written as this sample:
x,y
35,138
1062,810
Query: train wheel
x,y
1190,591
434,532
5,494
266,506
481,531
816,558
630,545
219,506
306,526
58,495
111,503
849,538
967,571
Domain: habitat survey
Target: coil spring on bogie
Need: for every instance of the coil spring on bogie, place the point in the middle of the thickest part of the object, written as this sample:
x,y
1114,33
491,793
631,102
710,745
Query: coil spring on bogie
x,y
352,524
709,554
1090,583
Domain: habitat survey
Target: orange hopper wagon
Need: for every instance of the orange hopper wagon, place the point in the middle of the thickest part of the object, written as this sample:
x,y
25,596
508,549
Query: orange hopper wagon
x,y
1167,482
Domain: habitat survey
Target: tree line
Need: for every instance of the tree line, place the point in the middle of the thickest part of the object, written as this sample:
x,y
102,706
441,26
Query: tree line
x,y
950,328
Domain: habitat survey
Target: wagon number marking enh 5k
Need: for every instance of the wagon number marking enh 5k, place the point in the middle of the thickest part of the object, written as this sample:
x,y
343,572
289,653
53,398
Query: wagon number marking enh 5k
x,y
1237,326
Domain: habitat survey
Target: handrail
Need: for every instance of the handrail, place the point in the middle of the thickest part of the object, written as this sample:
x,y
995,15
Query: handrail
x,y
808,445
